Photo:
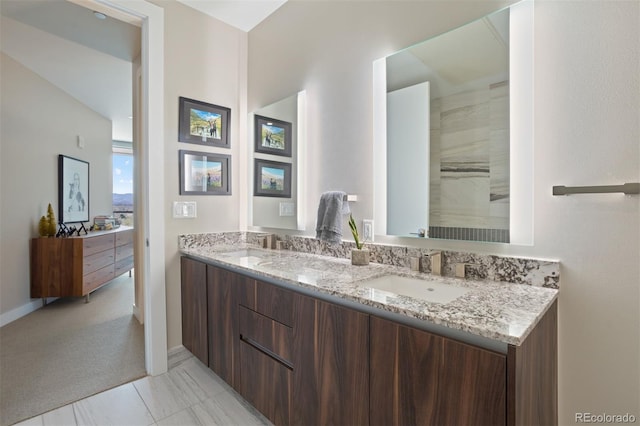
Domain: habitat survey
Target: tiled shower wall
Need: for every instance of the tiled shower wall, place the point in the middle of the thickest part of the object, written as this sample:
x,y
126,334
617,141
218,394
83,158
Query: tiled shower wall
x,y
470,162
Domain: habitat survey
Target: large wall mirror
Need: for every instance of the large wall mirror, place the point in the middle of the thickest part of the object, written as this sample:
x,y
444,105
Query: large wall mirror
x,y
278,135
453,139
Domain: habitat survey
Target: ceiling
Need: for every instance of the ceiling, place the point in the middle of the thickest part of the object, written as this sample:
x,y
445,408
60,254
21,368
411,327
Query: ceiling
x,y
90,58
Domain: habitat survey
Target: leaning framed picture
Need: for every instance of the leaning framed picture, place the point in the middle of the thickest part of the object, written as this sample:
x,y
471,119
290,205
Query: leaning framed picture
x,y
204,173
272,179
272,136
203,123
73,190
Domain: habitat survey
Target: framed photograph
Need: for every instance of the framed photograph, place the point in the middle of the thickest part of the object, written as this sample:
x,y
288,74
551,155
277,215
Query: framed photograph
x,y
272,179
272,136
203,123
73,190
204,173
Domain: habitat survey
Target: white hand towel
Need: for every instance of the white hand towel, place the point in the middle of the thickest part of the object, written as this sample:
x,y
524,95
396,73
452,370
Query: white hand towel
x,y
333,205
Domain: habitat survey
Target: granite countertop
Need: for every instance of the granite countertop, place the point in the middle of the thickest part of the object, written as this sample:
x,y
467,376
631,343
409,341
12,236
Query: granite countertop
x,y
502,312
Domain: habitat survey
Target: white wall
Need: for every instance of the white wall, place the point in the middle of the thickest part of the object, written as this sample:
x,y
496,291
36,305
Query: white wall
x,y
587,57
205,60
39,122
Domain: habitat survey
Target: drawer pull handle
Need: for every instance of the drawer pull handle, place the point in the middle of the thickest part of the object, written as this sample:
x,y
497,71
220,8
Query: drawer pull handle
x,y
249,341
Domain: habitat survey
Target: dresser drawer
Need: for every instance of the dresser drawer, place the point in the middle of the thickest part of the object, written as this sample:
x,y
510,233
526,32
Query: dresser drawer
x,y
124,251
124,237
97,261
95,279
123,266
266,334
92,245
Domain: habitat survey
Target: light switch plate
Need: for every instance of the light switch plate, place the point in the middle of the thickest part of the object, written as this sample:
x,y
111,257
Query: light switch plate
x,y
184,209
287,208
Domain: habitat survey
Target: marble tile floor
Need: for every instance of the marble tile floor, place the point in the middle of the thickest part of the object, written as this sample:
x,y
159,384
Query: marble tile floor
x,y
188,394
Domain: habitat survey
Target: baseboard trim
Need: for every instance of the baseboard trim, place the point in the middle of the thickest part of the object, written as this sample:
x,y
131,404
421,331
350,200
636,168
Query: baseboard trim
x,y
20,311
136,313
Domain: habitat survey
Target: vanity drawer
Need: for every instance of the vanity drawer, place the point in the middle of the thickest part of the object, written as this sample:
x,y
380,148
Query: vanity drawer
x,y
266,384
267,335
267,299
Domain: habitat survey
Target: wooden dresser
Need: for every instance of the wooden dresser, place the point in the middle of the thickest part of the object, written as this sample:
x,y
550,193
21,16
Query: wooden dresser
x,y
76,266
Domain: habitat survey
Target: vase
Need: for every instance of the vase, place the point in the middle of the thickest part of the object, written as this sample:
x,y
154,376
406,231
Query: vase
x,y
360,257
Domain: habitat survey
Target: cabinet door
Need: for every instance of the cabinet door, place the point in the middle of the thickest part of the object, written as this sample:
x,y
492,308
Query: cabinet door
x,y
473,386
222,323
331,364
194,307
404,375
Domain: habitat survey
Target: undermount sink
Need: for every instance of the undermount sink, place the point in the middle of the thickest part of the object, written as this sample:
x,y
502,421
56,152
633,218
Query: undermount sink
x,y
249,257
416,288
248,252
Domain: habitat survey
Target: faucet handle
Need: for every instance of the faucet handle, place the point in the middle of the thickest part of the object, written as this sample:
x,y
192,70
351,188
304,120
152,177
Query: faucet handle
x,y
415,263
436,262
461,269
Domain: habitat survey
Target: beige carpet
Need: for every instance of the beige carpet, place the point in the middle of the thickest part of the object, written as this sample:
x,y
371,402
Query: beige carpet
x,y
69,350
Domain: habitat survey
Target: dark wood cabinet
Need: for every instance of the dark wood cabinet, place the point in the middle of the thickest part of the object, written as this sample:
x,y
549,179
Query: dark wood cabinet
x,y
404,374
266,384
305,361
221,323
331,358
472,386
266,360
419,378
194,308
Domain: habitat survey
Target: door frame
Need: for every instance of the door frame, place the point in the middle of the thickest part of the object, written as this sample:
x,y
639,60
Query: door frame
x,y
149,191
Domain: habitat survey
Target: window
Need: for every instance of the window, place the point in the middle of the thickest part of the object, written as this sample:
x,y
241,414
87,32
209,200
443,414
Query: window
x,y
123,187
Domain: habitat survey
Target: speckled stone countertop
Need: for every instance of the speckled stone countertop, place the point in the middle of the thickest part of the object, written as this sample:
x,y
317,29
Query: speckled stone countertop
x,y
502,312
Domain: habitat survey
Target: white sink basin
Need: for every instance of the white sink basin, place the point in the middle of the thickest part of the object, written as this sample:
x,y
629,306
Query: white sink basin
x,y
415,288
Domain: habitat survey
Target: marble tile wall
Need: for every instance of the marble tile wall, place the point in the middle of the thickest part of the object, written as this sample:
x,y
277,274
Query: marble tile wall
x,y
535,272
470,159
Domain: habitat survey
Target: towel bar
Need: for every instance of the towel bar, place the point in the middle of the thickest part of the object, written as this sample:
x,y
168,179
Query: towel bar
x,y
627,188
350,197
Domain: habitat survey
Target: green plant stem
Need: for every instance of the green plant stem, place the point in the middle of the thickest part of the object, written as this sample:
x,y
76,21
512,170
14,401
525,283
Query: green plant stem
x,y
354,231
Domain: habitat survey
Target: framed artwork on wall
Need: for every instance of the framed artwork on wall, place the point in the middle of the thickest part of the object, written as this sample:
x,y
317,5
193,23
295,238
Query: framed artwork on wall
x,y
272,179
73,190
204,173
203,123
272,136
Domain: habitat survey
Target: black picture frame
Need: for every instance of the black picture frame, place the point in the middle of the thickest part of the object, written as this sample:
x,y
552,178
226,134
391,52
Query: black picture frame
x,y
204,173
203,123
73,190
271,179
272,136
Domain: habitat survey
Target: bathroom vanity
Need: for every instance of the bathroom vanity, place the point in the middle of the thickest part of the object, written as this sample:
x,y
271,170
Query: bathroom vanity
x,y
305,340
